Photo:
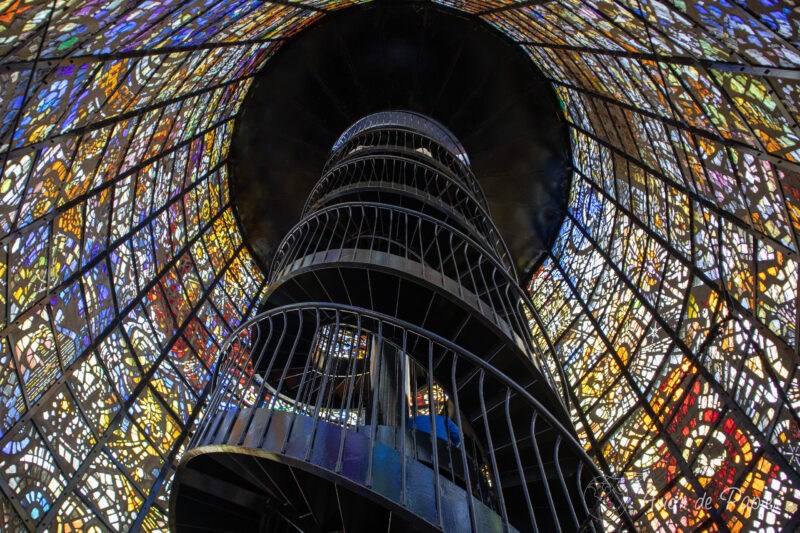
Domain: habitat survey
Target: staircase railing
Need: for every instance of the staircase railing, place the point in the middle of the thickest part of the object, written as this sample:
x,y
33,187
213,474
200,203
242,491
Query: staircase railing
x,y
398,387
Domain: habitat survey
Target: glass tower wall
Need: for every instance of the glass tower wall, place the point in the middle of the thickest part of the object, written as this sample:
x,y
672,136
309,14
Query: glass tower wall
x,y
670,296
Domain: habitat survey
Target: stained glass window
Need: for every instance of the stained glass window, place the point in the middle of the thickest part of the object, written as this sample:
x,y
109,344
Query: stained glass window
x,y
671,291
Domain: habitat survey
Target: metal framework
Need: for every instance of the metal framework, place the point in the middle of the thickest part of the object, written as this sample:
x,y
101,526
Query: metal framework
x,y
669,299
366,379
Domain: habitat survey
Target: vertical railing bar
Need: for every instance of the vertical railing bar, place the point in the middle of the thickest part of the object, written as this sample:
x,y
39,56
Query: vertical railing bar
x,y
310,233
374,233
324,338
520,469
427,249
218,392
516,317
362,380
255,343
499,295
406,242
403,414
378,357
486,288
319,232
350,377
413,406
275,395
321,393
471,272
351,380
329,400
467,483
390,236
542,473
440,259
333,230
422,252
300,388
309,238
328,214
252,375
280,343
435,445
344,234
275,267
293,248
492,456
563,484
453,249
249,381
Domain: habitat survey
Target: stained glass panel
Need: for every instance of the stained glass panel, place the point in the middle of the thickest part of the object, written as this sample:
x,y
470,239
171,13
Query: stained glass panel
x,y
670,294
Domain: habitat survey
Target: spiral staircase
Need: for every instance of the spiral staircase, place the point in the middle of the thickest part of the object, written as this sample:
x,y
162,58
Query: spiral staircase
x,y
390,381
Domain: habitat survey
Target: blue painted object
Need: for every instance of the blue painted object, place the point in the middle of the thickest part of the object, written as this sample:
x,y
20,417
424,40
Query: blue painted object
x,y
444,427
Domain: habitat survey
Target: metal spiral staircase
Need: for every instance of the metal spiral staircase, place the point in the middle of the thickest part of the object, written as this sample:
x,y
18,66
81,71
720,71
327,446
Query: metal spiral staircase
x,y
391,382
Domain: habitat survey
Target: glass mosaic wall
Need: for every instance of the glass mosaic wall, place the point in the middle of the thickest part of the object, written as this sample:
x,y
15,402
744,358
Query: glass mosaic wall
x,y
671,292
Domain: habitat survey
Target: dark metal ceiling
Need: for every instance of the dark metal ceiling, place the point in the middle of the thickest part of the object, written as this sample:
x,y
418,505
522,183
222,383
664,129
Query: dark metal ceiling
x,y
399,56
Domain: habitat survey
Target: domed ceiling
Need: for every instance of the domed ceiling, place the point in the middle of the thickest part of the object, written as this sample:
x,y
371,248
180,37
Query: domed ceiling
x,y
669,295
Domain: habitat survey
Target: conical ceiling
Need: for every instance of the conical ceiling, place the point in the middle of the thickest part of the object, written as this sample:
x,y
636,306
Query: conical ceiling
x,y
669,297
418,57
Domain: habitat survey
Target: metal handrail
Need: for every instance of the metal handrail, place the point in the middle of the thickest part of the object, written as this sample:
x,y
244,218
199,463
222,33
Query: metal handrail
x,y
362,377
509,292
506,288
481,217
485,439
452,160
342,152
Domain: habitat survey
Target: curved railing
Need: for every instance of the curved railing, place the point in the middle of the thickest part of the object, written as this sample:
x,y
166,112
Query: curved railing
x,y
487,446
410,141
381,173
401,120
418,243
404,370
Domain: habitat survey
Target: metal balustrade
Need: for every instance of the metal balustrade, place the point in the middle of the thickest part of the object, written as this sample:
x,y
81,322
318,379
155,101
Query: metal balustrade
x,y
311,383
438,194
391,379
412,243
401,130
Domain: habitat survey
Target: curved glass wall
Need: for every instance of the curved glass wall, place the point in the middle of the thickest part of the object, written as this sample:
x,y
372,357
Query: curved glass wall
x,y
671,294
